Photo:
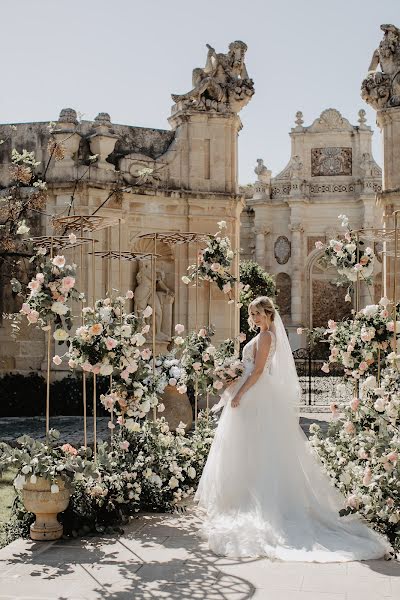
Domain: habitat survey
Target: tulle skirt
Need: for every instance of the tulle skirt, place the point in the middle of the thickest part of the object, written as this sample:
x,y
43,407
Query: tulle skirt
x,y
265,494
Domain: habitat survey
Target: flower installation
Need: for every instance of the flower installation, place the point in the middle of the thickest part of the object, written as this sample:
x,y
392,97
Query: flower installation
x,y
215,262
350,256
110,341
356,343
361,450
50,290
197,360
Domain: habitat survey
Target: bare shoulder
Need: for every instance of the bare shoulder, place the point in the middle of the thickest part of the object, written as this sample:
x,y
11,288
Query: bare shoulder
x,y
265,338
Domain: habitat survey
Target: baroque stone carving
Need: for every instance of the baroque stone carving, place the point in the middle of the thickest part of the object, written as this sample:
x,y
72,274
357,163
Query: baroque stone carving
x,y
282,250
293,169
223,85
262,172
331,161
329,188
381,89
330,120
164,299
369,166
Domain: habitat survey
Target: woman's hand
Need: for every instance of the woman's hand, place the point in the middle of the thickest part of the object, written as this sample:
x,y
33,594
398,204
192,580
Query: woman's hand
x,y
235,401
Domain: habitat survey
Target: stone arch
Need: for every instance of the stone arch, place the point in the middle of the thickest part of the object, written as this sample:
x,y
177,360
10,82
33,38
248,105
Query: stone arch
x,y
324,299
284,296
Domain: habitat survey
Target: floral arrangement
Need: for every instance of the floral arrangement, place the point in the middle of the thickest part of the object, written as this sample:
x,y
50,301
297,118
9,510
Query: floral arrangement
x,y
50,290
227,364
351,258
197,360
361,452
110,340
170,370
33,459
355,343
214,263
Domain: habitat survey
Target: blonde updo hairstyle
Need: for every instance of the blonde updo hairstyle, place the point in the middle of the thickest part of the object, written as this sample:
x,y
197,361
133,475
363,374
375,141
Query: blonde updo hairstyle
x,y
262,304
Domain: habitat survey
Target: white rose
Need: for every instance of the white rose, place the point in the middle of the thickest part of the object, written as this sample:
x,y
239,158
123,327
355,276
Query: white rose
x,y
106,369
54,488
191,472
148,311
185,280
60,335
59,308
370,310
173,483
19,482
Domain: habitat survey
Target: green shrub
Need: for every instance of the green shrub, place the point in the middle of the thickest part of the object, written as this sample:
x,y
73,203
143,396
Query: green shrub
x,y
260,284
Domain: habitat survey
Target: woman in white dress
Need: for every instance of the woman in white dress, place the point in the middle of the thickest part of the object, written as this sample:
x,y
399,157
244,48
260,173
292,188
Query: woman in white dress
x,y
264,492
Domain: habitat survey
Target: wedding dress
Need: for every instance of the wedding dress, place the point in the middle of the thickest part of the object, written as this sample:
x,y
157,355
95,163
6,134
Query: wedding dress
x,y
263,490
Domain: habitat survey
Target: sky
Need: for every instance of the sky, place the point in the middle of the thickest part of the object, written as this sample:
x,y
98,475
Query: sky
x,y
126,57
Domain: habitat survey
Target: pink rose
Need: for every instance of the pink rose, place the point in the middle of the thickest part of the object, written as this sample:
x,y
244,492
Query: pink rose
x,y
390,502
242,337
319,245
338,247
197,366
332,324
110,425
146,354
179,328
392,456
206,357
362,454
87,367
354,404
353,501
110,343
384,313
203,332
33,316
172,381
125,374
335,351
124,445
40,277
299,330
367,476
57,360
218,385
25,309
58,261
390,326
215,267
96,369
68,282
325,368
349,427
388,467
68,449
333,408
226,288
34,285
357,267
363,366
182,389
129,295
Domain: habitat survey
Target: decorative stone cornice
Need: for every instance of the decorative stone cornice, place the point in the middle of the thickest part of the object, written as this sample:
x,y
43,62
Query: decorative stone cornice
x,y
296,227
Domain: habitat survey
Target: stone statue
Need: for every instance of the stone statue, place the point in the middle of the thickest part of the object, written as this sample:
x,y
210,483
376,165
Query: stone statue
x,y
381,89
262,172
223,85
164,299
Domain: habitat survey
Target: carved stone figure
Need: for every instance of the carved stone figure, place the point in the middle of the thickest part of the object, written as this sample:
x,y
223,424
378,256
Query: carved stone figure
x,y
223,85
164,299
381,89
262,172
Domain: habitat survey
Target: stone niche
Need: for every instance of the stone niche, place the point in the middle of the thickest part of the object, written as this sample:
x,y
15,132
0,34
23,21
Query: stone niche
x,y
328,300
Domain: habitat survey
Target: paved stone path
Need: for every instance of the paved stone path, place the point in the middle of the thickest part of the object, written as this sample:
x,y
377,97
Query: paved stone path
x,y
161,557
71,428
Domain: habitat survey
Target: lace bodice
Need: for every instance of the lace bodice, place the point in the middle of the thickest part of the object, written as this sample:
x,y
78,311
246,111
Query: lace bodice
x,y
250,349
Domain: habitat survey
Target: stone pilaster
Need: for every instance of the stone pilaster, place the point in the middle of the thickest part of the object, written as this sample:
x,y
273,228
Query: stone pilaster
x,y
297,230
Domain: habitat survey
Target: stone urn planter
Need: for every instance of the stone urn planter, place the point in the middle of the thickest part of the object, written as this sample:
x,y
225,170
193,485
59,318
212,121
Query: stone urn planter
x,y
177,408
39,500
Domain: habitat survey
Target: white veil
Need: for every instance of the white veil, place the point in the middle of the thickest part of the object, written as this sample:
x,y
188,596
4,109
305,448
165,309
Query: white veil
x,y
283,366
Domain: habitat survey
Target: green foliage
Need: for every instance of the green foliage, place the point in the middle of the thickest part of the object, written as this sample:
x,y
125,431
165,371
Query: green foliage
x,y
259,283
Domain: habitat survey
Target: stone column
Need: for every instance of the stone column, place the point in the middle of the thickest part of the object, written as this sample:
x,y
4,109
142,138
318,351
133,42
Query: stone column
x,y
296,258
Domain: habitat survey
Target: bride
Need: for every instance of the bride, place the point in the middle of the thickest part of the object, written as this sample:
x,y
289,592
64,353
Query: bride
x,y
263,490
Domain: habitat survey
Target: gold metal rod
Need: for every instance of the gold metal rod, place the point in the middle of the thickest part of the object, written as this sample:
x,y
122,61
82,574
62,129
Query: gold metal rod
x,y
196,396
197,288
84,399
379,366
394,285
109,274
154,284
112,408
358,276
119,258
237,264
94,375
48,361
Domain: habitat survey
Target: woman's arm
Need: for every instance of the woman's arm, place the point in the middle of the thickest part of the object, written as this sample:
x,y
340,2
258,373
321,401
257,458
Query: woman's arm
x,y
263,347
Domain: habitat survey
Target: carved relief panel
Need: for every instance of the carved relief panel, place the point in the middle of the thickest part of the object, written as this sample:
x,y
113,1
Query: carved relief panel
x,y
331,161
282,249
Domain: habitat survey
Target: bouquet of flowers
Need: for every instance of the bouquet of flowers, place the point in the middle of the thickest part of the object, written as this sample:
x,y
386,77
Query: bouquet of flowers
x,y
214,263
49,292
33,459
350,256
170,370
110,340
355,343
197,359
228,367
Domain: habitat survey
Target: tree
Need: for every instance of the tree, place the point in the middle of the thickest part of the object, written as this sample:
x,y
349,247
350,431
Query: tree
x,y
256,282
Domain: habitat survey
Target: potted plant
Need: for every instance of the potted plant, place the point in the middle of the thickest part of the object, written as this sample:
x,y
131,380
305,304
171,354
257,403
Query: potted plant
x,y
45,477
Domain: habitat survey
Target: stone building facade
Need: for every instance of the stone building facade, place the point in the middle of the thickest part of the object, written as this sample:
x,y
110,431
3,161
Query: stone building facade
x,y
184,179
331,171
